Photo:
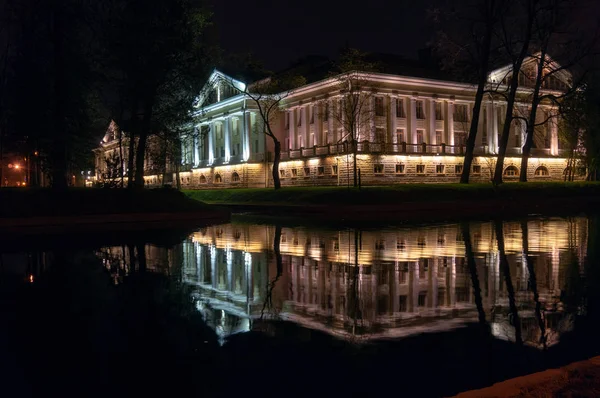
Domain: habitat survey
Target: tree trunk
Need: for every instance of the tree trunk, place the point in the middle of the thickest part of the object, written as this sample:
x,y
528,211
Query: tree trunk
x,y
470,257
354,163
532,117
514,84
533,282
276,159
483,74
121,158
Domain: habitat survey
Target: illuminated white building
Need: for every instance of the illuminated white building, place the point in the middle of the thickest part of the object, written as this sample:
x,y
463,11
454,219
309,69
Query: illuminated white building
x,y
417,133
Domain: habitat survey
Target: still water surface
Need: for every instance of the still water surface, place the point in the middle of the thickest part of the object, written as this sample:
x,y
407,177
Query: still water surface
x,y
424,310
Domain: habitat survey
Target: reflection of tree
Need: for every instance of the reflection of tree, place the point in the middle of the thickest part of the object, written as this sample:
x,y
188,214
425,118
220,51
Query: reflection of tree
x,y
268,303
470,257
505,269
533,283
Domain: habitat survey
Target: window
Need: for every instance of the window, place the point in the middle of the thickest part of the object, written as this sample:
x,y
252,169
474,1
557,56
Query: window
x,y
420,169
235,177
511,171
321,170
542,171
438,111
287,120
458,169
400,108
460,138
202,179
312,115
378,106
334,170
282,173
476,169
326,112
218,179
438,137
400,136
400,244
400,169
460,113
255,146
420,136
378,168
294,172
307,171
420,110
439,169
222,151
546,139
379,135
237,149
300,118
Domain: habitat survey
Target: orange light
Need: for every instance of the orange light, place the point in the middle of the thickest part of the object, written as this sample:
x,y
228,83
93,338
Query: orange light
x,y
23,184
17,166
18,183
30,278
35,153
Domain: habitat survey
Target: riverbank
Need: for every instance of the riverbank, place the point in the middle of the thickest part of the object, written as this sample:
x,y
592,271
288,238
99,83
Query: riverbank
x,y
108,209
408,201
579,379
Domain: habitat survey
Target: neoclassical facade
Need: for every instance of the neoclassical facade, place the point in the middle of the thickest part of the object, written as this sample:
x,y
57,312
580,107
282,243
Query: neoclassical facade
x,y
415,131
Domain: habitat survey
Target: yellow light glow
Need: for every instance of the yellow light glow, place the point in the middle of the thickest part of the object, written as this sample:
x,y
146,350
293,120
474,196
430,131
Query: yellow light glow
x,y
17,166
30,278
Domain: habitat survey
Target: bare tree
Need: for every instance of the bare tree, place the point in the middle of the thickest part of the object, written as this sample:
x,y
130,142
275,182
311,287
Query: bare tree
x,y
355,110
465,40
268,95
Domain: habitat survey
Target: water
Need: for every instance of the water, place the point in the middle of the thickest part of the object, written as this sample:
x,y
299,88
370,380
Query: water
x,y
236,308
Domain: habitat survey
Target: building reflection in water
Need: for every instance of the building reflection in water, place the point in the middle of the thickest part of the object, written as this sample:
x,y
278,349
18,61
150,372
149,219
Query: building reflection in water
x,y
381,284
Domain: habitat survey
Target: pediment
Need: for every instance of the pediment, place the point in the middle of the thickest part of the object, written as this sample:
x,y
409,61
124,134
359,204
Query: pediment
x,y
558,77
218,88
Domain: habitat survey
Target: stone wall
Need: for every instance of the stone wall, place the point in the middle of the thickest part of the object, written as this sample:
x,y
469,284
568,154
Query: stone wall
x,y
374,170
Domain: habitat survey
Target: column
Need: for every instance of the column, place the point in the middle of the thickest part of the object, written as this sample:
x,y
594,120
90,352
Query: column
x,y
372,119
411,121
306,126
490,126
553,133
523,131
227,138
292,129
211,143
495,127
450,117
318,117
391,135
196,148
330,122
246,136
431,123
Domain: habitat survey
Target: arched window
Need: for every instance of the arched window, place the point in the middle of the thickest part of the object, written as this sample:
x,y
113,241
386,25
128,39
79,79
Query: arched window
x,y
218,179
202,179
542,171
235,177
511,171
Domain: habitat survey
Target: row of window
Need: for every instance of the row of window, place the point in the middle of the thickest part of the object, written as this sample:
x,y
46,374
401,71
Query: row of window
x,y
306,172
217,179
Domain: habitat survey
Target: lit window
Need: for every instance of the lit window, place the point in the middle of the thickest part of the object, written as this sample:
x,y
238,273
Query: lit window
x,y
378,106
400,136
420,110
320,170
294,172
420,136
334,170
400,108
511,171
542,171
439,169
400,169
476,169
378,168
379,135
235,177
438,137
420,169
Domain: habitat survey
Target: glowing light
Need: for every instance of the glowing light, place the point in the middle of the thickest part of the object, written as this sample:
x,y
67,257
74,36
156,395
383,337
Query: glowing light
x,y
30,278
17,166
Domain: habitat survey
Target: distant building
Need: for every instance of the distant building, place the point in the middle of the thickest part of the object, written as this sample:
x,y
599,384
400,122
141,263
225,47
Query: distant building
x,y
417,132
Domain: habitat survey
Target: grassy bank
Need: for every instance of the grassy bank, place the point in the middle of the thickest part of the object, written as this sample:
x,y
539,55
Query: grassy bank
x,y
390,195
27,203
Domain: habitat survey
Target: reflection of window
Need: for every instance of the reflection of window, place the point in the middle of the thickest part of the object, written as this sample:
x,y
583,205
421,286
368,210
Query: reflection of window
x,y
402,304
400,108
420,110
378,168
336,244
420,169
400,169
400,245
378,106
422,298
380,244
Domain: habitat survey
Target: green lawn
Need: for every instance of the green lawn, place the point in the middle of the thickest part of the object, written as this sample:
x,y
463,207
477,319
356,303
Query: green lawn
x,y
394,194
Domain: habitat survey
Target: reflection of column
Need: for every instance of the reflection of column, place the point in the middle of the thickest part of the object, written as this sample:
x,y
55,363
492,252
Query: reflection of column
x,y
433,285
248,277
213,267
555,270
199,268
229,261
395,292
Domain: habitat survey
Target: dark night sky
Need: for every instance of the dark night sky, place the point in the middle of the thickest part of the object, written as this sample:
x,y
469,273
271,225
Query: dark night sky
x,y
280,32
